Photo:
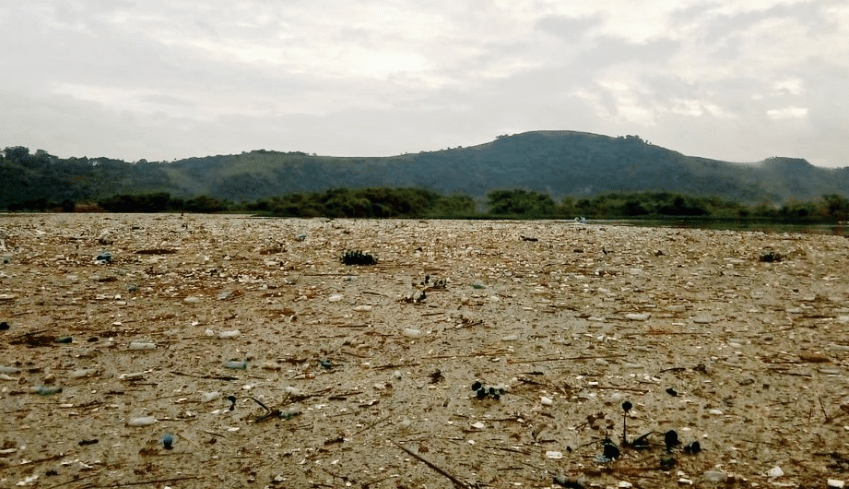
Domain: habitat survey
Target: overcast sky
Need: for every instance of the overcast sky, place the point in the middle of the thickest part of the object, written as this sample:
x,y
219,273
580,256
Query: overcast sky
x,y
164,79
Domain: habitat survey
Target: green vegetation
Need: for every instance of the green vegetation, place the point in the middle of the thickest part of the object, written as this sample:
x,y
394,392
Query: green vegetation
x,y
367,202
546,164
501,204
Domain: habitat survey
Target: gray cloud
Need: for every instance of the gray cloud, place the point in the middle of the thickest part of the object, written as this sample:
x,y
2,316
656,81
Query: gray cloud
x,y
172,79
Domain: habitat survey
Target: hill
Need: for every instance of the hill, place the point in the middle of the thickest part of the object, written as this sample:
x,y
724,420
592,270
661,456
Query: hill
x,y
559,163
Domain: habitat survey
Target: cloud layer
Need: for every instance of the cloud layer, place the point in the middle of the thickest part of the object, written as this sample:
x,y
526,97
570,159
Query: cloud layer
x,y
169,79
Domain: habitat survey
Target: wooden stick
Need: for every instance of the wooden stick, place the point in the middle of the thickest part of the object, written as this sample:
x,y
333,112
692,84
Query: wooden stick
x,y
456,481
543,360
142,483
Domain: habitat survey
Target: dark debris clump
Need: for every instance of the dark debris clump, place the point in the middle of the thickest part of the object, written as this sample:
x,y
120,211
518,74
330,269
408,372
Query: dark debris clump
x,y
770,257
355,257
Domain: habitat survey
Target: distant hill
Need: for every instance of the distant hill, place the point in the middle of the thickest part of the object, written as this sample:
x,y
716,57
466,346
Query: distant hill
x,y
559,163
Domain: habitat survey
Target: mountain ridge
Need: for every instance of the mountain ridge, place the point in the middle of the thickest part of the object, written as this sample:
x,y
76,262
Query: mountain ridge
x,y
557,162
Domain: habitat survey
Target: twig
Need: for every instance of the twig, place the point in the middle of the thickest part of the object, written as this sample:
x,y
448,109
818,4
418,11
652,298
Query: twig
x,y
543,360
673,369
211,377
781,371
142,483
827,418
372,425
456,481
46,459
73,481
613,387
374,293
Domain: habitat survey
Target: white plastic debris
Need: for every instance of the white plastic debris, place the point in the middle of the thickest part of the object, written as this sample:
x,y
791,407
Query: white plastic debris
x,y
638,316
229,334
546,401
714,476
775,472
210,396
554,455
412,333
143,421
838,484
142,345
478,425
335,298
83,372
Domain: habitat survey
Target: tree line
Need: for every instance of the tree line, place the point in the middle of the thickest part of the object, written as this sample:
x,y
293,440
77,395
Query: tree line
x,y
421,203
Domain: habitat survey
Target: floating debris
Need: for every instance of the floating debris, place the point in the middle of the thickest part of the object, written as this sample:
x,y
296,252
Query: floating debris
x,y
167,441
693,448
670,438
356,257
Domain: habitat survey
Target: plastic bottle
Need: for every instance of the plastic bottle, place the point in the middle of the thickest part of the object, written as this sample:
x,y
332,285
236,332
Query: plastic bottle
x,y
236,365
143,421
46,390
210,396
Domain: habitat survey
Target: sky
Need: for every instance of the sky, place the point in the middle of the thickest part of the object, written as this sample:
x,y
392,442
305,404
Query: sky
x,y
170,79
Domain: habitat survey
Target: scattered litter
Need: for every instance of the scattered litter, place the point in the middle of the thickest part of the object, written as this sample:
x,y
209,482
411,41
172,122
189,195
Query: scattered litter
x,y
167,441
210,396
714,476
412,333
81,373
670,439
693,448
775,472
142,421
45,390
554,455
357,258
610,452
236,365
569,483
103,258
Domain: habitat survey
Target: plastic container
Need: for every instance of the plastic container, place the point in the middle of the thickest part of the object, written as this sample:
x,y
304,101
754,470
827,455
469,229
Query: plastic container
x,y
46,390
142,345
229,334
83,372
209,396
236,365
412,333
143,421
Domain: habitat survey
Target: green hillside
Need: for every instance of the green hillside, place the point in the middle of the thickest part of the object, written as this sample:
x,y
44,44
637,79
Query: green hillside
x,y
557,163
